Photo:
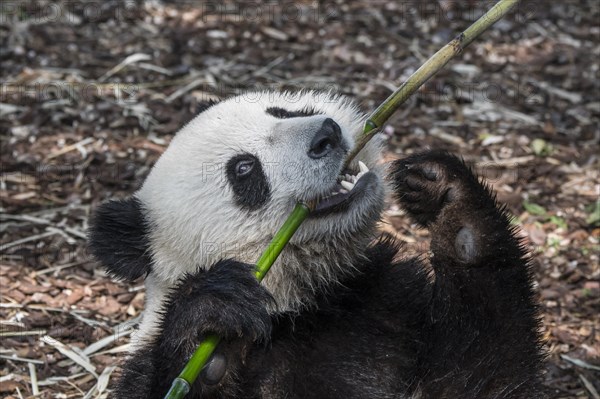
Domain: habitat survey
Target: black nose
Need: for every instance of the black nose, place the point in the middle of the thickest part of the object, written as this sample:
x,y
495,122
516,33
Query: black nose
x,y
327,139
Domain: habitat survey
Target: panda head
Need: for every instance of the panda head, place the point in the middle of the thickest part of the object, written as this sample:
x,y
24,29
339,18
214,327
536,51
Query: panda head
x,y
228,181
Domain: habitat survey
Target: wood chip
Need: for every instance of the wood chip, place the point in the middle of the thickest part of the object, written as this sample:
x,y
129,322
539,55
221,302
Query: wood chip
x,y
78,358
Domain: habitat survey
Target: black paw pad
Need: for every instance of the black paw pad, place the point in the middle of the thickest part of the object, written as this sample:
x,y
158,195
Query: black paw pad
x,y
465,245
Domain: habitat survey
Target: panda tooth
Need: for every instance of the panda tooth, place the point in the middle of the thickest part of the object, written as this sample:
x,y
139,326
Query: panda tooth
x,y
347,185
363,167
343,191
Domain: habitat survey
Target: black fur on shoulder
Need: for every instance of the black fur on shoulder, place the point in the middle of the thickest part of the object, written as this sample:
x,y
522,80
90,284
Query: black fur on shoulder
x,y
117,237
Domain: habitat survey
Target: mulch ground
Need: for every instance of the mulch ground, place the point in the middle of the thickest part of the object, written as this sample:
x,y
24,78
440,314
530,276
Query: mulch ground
x,y
93,92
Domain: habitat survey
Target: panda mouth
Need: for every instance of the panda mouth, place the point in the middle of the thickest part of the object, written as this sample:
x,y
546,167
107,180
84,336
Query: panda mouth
x,y
348,187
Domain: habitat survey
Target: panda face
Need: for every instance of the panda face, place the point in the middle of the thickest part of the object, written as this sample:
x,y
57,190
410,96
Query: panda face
x,y
230,178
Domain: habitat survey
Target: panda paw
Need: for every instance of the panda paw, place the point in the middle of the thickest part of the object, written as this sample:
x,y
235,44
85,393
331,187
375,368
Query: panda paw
x,y
426,183
440,192
226,300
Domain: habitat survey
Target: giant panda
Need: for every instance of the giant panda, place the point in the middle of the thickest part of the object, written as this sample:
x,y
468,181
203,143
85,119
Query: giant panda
x,y
342,313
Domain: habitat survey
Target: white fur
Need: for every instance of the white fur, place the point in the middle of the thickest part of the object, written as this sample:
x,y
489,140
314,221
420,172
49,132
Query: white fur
x,y
195,222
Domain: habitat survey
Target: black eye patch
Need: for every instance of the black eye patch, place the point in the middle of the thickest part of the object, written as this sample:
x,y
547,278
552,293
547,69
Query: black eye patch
x,y
248,181
281,113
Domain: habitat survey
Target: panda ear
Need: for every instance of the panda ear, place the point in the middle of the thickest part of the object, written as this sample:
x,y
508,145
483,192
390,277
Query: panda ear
x,y
206,104
117,237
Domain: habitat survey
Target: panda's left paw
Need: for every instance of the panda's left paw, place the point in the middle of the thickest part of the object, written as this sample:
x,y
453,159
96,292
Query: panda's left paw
x,y
226,299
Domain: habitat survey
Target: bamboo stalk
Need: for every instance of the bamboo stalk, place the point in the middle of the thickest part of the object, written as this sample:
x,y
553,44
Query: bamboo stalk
x,y
432,66
181,384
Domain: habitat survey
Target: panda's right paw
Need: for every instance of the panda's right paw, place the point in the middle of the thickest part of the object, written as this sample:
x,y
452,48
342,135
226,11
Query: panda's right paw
x,y
226,300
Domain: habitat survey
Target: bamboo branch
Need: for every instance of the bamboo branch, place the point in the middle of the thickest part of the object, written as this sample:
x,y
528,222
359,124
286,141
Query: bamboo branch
x,y
433,65
181,385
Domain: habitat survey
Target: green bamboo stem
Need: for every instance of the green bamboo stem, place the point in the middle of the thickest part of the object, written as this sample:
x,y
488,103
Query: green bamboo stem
x,y
433,65
181,385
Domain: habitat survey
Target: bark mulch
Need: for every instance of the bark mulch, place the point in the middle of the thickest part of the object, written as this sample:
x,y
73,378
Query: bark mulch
x,y
92,93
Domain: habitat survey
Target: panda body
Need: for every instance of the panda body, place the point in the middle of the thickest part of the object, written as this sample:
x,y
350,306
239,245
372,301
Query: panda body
x,y
341,313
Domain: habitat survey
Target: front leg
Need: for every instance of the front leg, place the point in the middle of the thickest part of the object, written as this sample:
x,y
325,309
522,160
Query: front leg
x,y
483,337
226,300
